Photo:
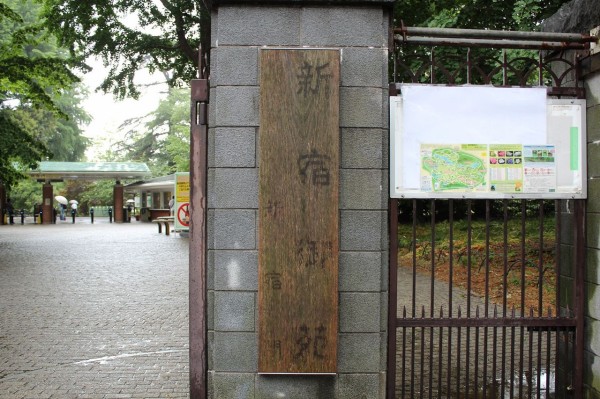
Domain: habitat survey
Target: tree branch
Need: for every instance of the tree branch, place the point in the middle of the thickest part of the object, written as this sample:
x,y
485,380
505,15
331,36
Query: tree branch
x,y
180,30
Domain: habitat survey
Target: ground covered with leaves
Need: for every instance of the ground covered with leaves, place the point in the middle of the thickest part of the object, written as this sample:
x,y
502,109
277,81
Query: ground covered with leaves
x,y
516,258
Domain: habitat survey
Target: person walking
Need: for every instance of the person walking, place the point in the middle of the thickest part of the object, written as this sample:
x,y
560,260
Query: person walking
x,y
171,205
9,211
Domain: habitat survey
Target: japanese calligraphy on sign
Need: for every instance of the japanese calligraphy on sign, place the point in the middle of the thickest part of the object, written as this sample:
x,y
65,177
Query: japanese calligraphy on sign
x,y
312,253
311,341
298,243
312,77
314,168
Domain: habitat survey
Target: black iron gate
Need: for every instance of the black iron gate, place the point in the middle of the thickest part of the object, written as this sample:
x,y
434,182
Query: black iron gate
x,y
486,296
483,307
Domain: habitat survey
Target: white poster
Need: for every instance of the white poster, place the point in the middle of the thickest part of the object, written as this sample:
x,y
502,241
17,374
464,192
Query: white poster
x,y
469,114
504,119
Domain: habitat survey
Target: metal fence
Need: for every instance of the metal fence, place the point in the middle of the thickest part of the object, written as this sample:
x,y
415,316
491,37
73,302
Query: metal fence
x,y
482,294
486,296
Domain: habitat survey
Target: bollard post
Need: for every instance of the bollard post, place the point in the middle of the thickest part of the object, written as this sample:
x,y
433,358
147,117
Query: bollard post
x,y
73,214
92,215
110,215
22,216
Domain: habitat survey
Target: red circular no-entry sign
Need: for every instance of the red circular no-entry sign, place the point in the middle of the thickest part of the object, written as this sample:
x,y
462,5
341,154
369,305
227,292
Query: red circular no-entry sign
x,y
183,214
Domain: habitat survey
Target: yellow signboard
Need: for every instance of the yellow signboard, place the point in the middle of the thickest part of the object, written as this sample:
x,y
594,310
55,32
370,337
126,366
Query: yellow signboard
x,y
182,201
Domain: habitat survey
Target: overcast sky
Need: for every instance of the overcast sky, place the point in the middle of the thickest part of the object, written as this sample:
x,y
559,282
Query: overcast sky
x,y
108,113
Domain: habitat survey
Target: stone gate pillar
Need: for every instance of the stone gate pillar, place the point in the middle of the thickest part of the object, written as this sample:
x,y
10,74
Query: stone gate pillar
x,y
241,30
118,202
47,201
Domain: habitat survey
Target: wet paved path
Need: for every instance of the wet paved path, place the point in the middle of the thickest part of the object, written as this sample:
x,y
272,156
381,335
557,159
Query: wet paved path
x,y
93,311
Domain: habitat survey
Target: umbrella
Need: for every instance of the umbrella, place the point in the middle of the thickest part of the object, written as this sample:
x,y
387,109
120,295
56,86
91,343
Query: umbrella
x,y
73,202
61,200
130,201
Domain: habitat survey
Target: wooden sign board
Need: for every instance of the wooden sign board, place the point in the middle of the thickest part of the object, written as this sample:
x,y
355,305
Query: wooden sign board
x,y
298,210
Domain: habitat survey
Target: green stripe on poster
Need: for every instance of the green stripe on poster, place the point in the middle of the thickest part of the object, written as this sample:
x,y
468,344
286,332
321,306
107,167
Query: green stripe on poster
x,y
574,148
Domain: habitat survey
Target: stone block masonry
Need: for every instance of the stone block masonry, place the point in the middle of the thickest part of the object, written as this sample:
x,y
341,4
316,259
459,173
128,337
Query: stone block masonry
x,y
580,16
239,31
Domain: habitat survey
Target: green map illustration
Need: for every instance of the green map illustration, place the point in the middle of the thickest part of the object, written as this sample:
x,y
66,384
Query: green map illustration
x,y
460,168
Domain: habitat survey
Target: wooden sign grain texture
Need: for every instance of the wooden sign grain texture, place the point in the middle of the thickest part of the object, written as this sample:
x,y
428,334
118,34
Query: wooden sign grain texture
x,y
298,210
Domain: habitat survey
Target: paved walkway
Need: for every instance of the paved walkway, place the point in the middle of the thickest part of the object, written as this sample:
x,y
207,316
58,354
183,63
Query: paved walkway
x,y
93,311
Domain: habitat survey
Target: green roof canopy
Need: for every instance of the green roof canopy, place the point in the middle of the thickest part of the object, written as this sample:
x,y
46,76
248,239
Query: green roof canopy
x,y
89,170
158,184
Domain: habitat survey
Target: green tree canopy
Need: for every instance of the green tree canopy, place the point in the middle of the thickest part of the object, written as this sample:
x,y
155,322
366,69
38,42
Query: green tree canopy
x,y
36,92
161,139
129,35
32,70
476,14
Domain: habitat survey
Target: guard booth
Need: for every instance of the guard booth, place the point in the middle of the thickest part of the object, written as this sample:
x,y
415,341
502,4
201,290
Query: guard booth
x,y
49,172
154,195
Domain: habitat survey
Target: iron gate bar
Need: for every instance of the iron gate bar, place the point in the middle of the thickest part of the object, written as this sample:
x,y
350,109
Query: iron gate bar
x,y
522,304
198,360
532,322
579,300
392,291
432,294
484,43
495,34
577,92
393,296
469,265
540,290
487,290
542,64
414,290
504,286
558,220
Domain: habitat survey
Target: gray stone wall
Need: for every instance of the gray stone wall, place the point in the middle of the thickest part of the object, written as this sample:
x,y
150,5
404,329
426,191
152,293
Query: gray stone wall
x,y
239,31
580,16
592,325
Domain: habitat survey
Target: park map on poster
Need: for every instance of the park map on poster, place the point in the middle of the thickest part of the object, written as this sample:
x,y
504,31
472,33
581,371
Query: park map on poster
x,y
503,168
461,167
